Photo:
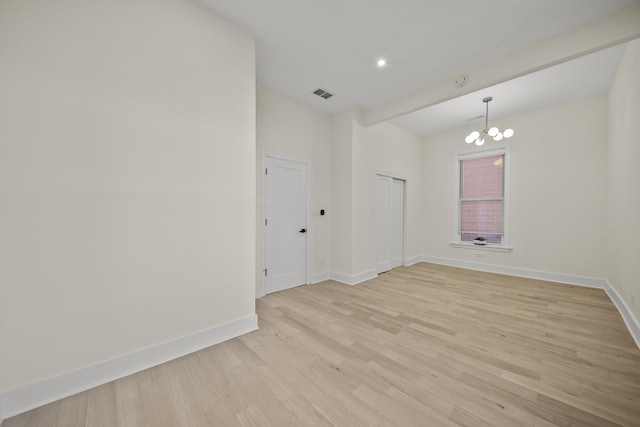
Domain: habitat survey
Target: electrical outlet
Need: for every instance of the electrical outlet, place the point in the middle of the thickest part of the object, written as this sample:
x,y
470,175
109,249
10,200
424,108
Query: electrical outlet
x,y
478,255
322,262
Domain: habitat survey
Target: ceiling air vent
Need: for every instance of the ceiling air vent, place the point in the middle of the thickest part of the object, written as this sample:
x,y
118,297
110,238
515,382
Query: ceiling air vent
x,y
322,93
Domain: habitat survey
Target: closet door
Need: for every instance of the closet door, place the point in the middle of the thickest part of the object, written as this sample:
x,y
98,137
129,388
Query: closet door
x,y
389,218
396,222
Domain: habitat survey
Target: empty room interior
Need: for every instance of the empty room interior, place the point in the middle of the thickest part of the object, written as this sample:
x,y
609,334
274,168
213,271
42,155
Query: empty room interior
x,y
334,213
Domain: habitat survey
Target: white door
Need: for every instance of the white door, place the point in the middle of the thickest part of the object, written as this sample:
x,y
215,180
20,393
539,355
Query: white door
x,y
285,255
389,222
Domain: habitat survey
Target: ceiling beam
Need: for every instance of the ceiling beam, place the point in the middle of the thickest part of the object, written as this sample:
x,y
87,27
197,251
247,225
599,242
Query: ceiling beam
x,y
609,30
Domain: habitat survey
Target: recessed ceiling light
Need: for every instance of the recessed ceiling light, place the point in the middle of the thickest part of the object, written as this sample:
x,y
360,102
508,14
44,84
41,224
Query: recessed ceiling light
x,y
382,62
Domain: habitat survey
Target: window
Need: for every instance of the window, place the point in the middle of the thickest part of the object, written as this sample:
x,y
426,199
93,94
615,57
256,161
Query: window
x,y
482,196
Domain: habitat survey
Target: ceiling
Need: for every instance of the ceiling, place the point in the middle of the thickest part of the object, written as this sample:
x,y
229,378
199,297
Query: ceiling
x,y
570,81
303,45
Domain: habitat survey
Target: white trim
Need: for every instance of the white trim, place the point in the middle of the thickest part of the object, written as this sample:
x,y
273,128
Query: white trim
x,y
627,315
506,199
412,260
277,156
342,278
320,277
387,265
355,279
364,276
589,282
392,175
263,184
489,247
484,152
405,189
31,396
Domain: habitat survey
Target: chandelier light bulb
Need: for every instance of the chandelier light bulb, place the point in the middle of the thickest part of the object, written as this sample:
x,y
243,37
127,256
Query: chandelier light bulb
x,y
498,136
493,131
479,141
472,137
508,133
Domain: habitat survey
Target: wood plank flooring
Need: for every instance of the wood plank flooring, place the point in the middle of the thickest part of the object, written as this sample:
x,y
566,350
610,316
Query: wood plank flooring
x,y
425,345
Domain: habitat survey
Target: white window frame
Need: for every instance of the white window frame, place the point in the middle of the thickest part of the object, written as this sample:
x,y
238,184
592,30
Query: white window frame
x,y
506,238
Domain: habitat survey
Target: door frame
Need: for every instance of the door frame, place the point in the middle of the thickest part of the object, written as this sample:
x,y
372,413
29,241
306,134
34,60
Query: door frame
x,y
263,203
405,180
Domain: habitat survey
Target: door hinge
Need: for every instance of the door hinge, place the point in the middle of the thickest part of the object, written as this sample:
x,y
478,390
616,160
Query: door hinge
x,y
265,272
266,171
265,221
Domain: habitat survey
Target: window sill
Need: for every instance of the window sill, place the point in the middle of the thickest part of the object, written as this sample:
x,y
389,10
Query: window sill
x,y
491,248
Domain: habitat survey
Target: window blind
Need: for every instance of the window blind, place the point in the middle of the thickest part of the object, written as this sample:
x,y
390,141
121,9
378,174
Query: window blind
x,y
482,198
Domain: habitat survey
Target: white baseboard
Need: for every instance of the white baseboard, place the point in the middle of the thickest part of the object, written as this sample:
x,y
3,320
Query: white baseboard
x,y
342,278
19,400
364,276
412,260
627,315
320,277
355,279
520,272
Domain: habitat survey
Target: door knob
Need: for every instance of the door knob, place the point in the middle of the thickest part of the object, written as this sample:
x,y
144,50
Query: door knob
x,y
304,230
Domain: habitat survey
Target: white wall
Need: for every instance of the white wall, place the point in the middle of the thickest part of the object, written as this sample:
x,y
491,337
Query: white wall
x,y
359,154
289,130
623,179
127,179
385,148
342,194
557,192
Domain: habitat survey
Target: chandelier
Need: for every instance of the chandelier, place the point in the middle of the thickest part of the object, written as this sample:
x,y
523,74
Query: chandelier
x,y
494,132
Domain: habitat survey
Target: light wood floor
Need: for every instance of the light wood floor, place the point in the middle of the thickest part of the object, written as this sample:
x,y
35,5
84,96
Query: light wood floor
x,y
424,345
